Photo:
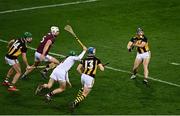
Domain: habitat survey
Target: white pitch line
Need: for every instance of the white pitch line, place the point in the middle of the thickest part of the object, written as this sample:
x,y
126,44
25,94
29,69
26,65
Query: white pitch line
x,y
120,70
60,55
47,6
175,63
111,68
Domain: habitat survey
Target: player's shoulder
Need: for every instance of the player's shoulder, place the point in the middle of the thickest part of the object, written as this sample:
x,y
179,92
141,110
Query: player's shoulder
x,y
144,38
21,41
134,38
49,36
18,39
95,58
72,57
86,58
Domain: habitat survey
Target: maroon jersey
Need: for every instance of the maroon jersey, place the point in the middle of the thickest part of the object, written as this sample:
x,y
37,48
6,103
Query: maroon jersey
x,y
41,46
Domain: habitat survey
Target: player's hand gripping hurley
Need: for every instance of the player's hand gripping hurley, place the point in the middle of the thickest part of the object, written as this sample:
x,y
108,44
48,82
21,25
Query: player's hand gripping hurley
x,y
70,30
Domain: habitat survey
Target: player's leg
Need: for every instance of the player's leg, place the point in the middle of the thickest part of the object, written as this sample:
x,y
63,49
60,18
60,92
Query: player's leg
x,y
85,92
36,63
49,84
60,76
53,63
145,66
42,86
87,83
62,87
81,97
24,76
53,60
80,92
9,74
45,71
137,62
17,68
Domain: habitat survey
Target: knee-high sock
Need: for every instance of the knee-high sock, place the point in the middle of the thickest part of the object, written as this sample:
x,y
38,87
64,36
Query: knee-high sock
x,y
80,92
79,99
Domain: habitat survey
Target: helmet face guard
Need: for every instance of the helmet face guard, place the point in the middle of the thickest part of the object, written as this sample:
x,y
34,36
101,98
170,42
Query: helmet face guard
x,y
28,37
91,51
54,30
140,31
29,40
72,53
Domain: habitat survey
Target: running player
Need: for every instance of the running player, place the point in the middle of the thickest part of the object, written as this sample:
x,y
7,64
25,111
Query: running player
x,y
41,53
143,53
60,74
87,68
16,47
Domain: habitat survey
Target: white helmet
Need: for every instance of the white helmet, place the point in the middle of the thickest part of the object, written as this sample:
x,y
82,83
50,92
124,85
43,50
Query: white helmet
x,y
54,29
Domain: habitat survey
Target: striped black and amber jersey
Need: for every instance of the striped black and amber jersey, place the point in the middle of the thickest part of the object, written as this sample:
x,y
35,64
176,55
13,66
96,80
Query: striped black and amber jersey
x,y
90,65
18,47
139,40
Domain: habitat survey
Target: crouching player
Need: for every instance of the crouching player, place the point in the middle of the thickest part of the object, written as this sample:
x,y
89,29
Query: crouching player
x,y
87,68
60,74
16,47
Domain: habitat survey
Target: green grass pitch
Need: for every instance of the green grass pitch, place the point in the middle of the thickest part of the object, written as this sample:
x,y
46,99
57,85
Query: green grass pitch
x,y
107,25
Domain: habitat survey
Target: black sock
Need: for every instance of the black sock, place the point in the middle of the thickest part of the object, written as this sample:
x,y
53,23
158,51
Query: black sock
x,y
6,79
135,72
50,93
47,66
45,70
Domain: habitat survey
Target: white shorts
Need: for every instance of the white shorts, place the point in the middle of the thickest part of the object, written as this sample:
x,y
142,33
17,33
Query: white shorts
x,y
59,75
143,55
87,81
11,62
37,57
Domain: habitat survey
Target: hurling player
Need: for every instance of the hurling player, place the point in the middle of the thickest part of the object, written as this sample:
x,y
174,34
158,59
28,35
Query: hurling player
x,y
16,48
87,68
143,53
60,75
41,53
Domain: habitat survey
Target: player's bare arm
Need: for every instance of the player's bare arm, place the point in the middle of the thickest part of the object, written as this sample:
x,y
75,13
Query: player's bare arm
x,y
83,53
101,67
129,45
79,68
84,48
25,60
49,42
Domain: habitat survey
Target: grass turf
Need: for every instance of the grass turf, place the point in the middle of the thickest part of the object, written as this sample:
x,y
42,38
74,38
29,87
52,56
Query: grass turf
x,y
107,25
